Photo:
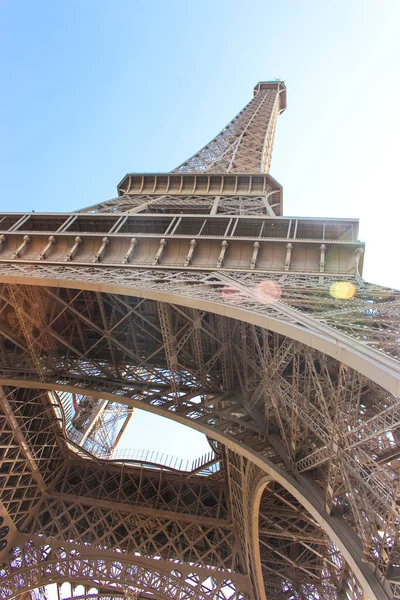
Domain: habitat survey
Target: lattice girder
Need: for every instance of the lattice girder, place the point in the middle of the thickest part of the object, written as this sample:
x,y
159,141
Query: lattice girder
x,y
132,532
173,495
31,453
222,414
191,297
38,561
183,520
307,313
245,144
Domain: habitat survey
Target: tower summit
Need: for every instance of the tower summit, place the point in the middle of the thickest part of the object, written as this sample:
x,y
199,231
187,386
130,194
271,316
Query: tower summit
x,y
245,145
191,296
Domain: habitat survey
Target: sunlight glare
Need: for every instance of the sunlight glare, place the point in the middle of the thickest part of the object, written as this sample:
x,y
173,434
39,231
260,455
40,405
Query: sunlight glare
x,y
342,290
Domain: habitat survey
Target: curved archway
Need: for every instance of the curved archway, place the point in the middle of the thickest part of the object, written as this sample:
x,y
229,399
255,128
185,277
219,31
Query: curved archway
x,y
37,565
305,551
245,305
334,528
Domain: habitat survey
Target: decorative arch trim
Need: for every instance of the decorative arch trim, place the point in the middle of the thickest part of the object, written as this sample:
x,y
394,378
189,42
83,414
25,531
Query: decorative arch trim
x,y
381,369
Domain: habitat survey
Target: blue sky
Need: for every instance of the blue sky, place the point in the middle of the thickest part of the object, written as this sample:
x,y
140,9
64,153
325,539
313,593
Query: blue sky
x,y
93,89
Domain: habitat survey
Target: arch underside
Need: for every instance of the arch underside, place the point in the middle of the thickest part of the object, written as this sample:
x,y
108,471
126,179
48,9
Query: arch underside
x,y
361,332
35,564
262,386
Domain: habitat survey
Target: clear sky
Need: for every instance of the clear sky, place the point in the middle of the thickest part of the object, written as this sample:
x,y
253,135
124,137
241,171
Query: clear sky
x,y
93,89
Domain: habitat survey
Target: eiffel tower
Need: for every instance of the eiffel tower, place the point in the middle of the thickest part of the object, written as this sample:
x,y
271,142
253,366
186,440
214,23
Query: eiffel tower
x,y
191,296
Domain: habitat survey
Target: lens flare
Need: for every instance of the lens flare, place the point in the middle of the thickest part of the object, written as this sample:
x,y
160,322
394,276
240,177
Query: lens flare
x,y
268,292
342,290
232,295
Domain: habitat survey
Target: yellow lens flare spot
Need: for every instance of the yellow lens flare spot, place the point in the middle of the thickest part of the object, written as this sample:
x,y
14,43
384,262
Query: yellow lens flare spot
x,y
342,290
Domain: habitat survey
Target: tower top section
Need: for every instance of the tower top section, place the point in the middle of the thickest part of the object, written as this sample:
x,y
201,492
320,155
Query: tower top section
x,y
237,161
245,144
272,85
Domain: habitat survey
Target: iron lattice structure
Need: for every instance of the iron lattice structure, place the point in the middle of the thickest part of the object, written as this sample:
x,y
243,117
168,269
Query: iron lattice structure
x,y
191,296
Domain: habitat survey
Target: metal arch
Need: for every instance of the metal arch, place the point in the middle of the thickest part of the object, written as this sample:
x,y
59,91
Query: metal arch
x,y
304,539
101,596
255,510
383,370
80,565
337,531
333,527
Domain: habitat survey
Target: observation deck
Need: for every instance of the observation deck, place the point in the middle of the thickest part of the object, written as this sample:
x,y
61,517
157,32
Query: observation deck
x,y
272,85
184,241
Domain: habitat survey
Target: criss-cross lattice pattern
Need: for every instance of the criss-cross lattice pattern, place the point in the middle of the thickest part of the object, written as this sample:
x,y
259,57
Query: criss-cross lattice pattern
x,y
282,399
34,563
245,145
227,205
296,386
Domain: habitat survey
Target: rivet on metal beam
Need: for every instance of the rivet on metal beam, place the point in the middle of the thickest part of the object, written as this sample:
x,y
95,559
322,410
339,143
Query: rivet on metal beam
x,y
21,247
129,253
358,252
160,251
104,243
188,260
72,252
224,246
256,248
214,208
43,255
289,248
322,258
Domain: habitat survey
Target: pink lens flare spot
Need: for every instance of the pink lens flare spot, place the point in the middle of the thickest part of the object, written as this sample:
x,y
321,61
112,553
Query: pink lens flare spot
x,y
268,292
232,295
342,290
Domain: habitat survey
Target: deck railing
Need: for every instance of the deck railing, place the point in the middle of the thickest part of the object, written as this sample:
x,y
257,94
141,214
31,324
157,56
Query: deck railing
x,y
202,465
152,457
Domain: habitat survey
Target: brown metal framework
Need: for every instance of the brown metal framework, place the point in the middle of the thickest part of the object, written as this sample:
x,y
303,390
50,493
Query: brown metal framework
x,y
191,297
